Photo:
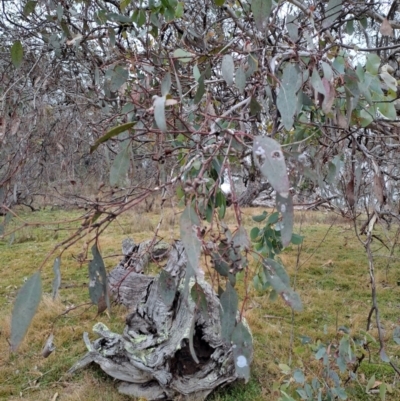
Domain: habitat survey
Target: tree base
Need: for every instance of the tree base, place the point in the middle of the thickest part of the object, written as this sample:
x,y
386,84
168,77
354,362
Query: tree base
x,y
171,347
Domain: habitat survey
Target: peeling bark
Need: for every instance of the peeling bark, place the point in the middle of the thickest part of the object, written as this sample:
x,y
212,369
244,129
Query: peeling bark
x,y
155,356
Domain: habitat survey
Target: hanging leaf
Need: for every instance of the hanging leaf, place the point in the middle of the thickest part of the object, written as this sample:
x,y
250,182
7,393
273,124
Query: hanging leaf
x,y
228,68
373,63
110,134
327,69
269,156
98,290
57,277
200,90
296,239
242,351
120,166
166,84
189,226
279,280
29,8
17,53
196,73
261,10
25,307
387,109
316,82
229,303
159,112
292,27
240,239
287,96
183,56
167,287
200,300
332,12
329,97
220,265
240,79
119,76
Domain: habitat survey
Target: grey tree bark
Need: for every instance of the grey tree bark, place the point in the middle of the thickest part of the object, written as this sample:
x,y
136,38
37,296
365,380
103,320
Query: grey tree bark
x,y
171,347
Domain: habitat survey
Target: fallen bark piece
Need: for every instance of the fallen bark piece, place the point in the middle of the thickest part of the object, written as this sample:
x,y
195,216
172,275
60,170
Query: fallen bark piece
x,y
171,347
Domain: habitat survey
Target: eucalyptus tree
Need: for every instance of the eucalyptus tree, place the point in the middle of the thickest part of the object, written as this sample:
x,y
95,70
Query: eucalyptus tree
x,y
179,96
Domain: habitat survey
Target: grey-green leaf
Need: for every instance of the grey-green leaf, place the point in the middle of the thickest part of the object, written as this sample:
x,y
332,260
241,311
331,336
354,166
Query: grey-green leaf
x,y
25,307
167,287
316,82
240,79
292,27
228,68
240,239
98,279
261,217
373,63
269,156
261,10
332,12
17,53
229,304
200,299
189,225
285,206
183,56
242,351
287,96
166,84
29,7
118,77
120,167
57,277
279,280
159,112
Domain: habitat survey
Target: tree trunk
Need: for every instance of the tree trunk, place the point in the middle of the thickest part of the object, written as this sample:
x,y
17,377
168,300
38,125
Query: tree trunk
x,y
253,190
171,347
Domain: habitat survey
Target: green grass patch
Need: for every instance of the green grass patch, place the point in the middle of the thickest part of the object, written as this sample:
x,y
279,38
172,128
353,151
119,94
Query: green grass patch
x,y
331,278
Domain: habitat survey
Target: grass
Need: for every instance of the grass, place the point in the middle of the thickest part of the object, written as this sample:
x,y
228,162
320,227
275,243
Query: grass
x,y
331,278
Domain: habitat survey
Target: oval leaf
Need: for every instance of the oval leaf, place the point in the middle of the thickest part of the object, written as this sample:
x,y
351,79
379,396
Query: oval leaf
x,y
285,206
227,68
189,225
25,307
167,287
120,167
159,112
98,290
229,303
268,154
17,53
242,351
261,10
287,97
183,56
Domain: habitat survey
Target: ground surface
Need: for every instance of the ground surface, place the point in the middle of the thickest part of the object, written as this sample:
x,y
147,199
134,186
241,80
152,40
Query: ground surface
x,y
331,278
